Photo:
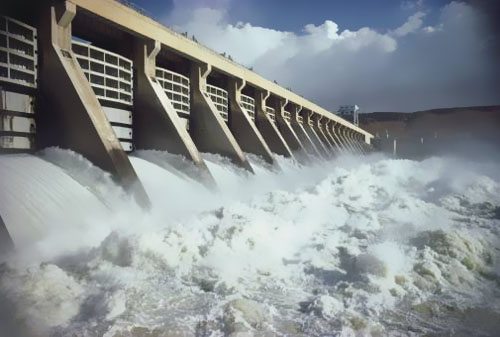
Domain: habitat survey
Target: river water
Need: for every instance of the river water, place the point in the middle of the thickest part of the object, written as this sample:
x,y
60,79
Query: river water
x,y
357,246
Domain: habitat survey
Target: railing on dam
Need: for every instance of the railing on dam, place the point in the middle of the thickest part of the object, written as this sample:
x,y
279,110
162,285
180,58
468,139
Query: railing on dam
x,y
111,77
287,116
271,114
220,99
248,104
18,80
109,74
18,52
176,86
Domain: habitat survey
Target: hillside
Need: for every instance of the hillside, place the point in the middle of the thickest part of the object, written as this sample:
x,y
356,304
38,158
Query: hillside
x,y
466,130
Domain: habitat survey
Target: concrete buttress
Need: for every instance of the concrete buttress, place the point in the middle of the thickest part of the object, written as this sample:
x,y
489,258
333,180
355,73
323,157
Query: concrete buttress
x,y
301,133
318,125
243,128
6,244
157,125
355,142
311,130
336,134
348,142
287,132
328,133
267,128
83,125
208,130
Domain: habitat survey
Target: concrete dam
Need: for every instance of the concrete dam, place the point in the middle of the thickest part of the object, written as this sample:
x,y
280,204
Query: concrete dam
x,y
103,80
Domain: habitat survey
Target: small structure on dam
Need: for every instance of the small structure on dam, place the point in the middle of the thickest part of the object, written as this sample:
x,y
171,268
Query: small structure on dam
x,y
350,113
101,79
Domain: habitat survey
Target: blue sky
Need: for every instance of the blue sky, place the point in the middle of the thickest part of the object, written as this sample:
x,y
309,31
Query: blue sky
x,y
384,55
293,15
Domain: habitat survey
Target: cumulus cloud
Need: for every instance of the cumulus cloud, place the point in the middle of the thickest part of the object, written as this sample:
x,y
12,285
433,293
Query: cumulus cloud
x,y
244,42
411,67
411,26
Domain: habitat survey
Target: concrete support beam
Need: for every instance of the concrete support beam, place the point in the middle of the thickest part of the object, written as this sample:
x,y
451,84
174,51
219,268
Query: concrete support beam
x,y
287,131
267,127
365,142
157,125
301,133
73,106
341,134
243,128
328,132
311,127
355,142
345,133
355,139
336,134
6,244
351,140
322,135
209,131
315,139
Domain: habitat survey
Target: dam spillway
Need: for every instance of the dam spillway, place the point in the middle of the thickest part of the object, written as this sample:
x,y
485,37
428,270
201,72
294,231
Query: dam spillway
x,y
105,81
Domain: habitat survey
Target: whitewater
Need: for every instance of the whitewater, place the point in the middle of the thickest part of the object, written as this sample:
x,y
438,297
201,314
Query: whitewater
x,y
353,246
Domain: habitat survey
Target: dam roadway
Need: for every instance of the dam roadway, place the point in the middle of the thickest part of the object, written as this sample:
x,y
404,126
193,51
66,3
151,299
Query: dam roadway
x,y
102,79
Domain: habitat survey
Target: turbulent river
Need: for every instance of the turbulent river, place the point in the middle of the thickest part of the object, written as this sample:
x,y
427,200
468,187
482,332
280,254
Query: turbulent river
x,y
352,247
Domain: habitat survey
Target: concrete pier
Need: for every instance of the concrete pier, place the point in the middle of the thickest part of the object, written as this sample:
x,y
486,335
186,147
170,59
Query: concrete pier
x,y
207,127
243,126
329,133
355,139
283,122
311,128
6,244
319,128
71,104
335,129
267,126
350,144
297,124
157,125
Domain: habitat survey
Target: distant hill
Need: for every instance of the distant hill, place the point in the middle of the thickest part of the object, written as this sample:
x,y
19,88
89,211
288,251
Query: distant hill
x,y
436,131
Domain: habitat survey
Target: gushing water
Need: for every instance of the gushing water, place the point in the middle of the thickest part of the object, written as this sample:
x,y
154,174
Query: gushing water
x,y
353,247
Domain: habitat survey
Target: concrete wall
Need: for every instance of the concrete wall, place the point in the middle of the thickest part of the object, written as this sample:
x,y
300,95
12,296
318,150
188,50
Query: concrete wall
x,y
139,24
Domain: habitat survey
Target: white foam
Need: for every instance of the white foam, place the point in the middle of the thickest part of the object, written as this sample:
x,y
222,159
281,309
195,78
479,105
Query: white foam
x,y
354,238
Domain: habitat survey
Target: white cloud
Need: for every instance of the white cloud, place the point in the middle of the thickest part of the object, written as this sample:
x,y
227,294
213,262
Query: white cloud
x,y
411,67
412,4
412,25
242,41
